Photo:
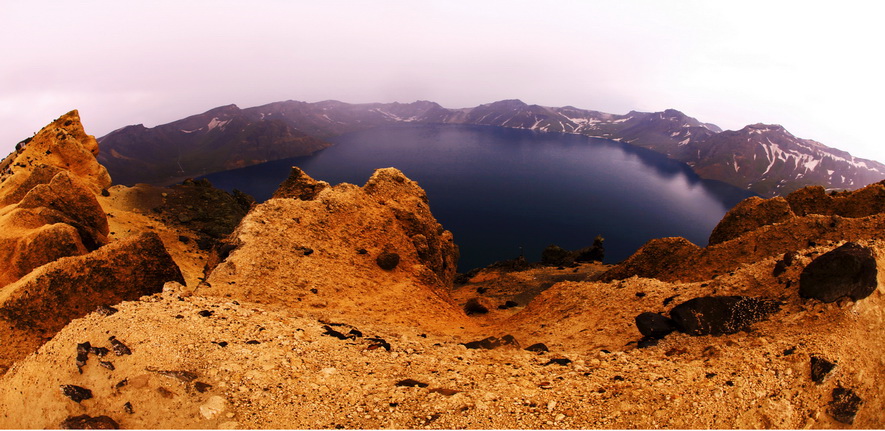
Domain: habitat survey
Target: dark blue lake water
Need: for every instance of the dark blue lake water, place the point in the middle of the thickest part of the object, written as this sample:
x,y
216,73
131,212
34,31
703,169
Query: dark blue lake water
x,y
501,190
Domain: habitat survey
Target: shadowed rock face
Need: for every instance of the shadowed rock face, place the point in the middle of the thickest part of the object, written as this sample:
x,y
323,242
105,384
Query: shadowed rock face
x,y
51,296
848,271
750,214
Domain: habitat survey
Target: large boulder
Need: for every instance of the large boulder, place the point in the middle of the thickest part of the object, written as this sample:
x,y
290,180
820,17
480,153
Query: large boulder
x,y
54,294
751,214
718,315
848,271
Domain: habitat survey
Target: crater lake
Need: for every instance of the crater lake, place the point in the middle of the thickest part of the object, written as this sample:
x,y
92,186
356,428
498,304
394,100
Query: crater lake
x,y
505,192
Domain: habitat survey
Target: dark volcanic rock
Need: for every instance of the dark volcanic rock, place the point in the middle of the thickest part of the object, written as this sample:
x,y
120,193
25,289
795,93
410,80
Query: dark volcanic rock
x,y
76,393
845,405
717,315
387,261
820,369
781,265
654,325
493,342
120,349
849,270
555,255
538,347
86,422
474,306
411,383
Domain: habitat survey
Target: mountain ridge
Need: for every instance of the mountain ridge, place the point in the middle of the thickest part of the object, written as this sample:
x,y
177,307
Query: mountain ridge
x,y
294,128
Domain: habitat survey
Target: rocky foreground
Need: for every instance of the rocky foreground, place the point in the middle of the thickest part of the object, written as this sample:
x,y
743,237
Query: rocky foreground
x,y
339,307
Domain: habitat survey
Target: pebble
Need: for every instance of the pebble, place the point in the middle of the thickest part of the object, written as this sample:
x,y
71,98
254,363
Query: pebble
x,y
214,406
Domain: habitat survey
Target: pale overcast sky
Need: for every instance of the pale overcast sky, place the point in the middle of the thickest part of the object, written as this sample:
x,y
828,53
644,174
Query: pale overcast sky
x,y
814,67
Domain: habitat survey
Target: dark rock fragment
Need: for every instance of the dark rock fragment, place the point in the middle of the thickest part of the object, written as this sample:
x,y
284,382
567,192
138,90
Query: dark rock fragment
x,y
849,270
781,265
378,343
559,361
86,422
99,351
107,365
538,348
120,349
387,261
845,405
820,369
121,383
717,315
654,325
474,306
105,310
508,304
493,342
202,387
333,333
220,343
411,383
205,313
128,408
76,393
362,251
253,342
82,357
84,347
180,375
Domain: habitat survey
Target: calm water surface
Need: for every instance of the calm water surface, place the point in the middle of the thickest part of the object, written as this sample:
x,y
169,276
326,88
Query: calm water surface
x,y
505,191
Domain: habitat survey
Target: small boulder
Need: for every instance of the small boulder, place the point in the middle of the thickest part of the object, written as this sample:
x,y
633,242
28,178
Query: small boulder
x,y
849,270
490,343
654,325
387,261
76,393
475,306
820,369
845,405
717,315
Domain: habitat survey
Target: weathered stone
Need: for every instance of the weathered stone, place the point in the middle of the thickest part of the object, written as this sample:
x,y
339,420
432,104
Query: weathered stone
x,y
76,393
750,214
654,325
555,255
387,261
820,369
299,186
58,292
849,270
410,383
845,405
120,349
786,261
493,343
475,306
717,315
538,348
86,422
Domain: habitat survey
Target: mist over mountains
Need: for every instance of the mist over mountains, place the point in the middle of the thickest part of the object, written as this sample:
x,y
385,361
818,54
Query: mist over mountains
x,y
765,159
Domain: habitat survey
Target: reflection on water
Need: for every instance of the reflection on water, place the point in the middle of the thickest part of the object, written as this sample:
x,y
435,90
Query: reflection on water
x,y
505,190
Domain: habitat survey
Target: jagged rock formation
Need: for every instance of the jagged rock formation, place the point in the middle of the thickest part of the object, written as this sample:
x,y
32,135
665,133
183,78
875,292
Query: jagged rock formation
x,y
334,249
60,263
765,159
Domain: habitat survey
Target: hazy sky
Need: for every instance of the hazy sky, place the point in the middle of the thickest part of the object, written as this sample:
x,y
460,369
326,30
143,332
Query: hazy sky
x,y
814,67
